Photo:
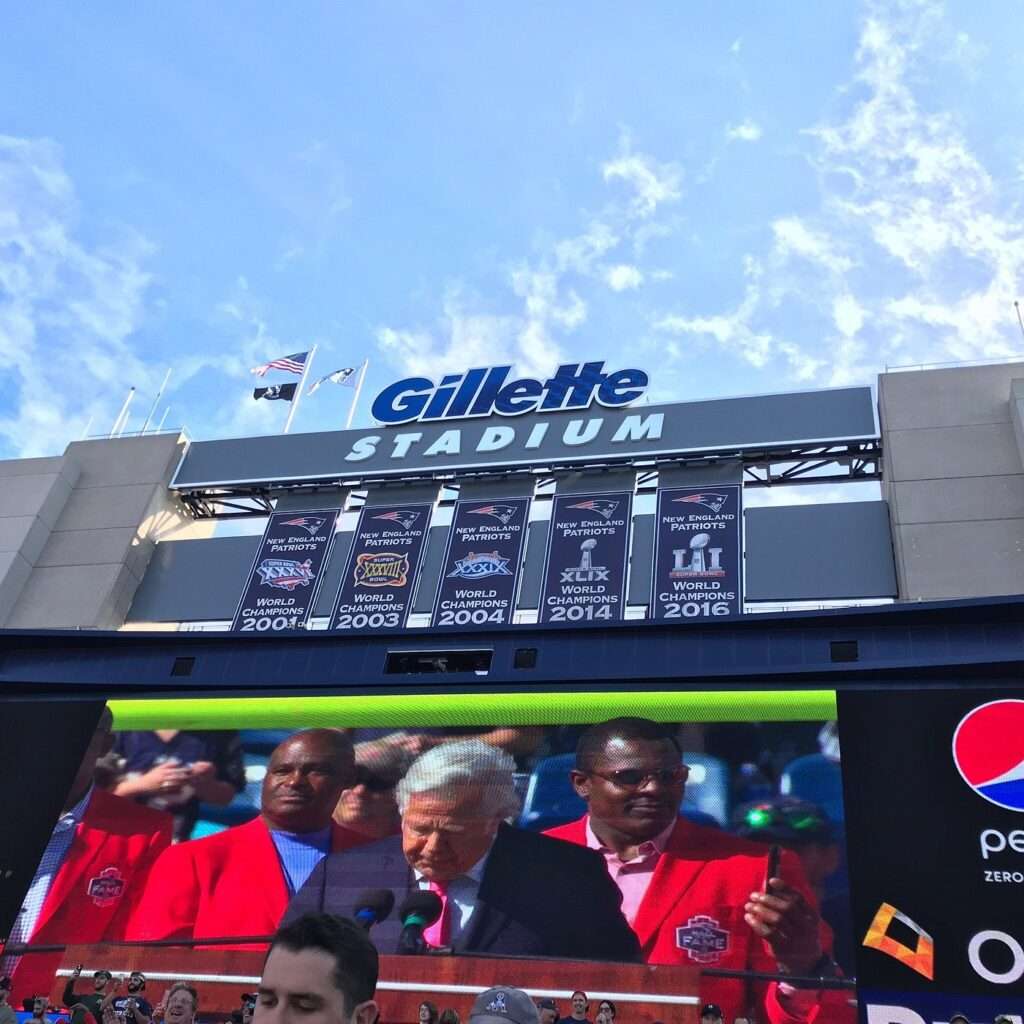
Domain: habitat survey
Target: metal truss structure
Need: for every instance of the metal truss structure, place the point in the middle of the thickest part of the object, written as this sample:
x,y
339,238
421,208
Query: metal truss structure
x,y
845,462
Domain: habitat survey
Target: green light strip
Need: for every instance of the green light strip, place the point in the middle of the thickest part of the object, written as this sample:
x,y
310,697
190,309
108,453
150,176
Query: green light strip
x,y
474,709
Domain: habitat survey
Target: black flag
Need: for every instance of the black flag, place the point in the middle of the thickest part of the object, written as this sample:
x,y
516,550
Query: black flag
x,y
276,392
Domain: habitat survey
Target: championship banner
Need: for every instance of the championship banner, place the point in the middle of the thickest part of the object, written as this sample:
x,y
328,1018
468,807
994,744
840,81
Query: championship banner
x,y
934,795
588,551
287,572
697,553
480,572
376,589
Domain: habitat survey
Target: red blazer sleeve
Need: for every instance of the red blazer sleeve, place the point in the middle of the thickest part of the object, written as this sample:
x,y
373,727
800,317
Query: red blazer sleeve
x,y
159,841
168,907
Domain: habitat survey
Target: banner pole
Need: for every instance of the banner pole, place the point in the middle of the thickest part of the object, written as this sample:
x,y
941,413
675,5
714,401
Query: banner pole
x,y
355,396
299,390
156,401
123,414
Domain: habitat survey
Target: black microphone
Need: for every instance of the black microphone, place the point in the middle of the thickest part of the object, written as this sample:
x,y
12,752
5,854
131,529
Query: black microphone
x,y
420,910
373,906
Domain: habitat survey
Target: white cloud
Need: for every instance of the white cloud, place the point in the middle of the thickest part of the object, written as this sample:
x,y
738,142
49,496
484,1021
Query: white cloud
x,y
745,131
914,251
652,182
623,277
68,309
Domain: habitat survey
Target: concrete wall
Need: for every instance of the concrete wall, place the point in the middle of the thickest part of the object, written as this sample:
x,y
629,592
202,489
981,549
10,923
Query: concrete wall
x,y
77,531
954,479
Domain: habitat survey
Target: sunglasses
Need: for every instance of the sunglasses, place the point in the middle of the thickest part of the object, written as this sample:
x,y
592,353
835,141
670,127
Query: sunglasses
x,y
634,778
800,819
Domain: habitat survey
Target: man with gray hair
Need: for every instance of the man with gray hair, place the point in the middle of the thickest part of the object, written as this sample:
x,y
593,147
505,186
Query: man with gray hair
x,y
503,890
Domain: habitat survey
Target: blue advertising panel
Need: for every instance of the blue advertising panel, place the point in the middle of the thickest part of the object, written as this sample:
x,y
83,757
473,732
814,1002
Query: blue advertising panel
x,y
480,572
588,551
697,553
287,572
377,586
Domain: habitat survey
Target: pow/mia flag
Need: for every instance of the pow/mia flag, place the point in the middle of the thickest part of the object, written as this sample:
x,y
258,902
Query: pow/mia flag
x,y
276,392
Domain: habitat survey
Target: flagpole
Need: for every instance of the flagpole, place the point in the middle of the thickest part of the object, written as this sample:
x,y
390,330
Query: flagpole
x,y
355,396
299,390
156,401
160,425
123,414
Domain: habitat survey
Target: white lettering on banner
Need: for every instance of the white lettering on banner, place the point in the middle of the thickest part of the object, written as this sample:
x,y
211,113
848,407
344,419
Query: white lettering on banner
x,y
636,428
536,436
1012,974
403,442
363,448
449,443
576,433
994,841
496,438
893,1015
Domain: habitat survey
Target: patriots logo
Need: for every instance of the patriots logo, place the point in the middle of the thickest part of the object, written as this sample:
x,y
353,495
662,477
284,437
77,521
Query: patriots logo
x,y
308,523
708,499
503,513
602,506
403,516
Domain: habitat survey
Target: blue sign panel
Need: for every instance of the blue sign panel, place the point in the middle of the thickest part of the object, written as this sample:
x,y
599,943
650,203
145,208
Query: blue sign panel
x,y
588,550
480,572
378,582
488,390
697,554
287,572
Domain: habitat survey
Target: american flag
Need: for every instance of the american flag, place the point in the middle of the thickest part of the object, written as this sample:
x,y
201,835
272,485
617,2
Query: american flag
x,y
294,363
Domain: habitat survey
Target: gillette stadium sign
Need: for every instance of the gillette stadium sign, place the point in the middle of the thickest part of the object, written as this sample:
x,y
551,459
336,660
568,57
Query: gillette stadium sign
x,y
487,419
486,391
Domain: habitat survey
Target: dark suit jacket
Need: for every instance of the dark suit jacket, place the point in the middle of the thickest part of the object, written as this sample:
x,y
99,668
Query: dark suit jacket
x,y
538,897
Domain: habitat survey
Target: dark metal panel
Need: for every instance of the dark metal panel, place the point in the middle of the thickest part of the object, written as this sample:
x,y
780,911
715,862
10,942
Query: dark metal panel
x,y
719,425
533,566
819,552
432,558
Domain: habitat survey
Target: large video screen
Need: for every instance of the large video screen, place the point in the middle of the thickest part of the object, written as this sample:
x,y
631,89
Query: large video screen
x,y
680,860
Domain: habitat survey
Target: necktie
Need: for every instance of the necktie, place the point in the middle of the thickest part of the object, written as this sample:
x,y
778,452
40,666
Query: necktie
x,y
440,932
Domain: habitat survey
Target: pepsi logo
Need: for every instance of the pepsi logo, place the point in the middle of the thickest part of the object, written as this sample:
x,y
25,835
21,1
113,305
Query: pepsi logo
x,y
988,750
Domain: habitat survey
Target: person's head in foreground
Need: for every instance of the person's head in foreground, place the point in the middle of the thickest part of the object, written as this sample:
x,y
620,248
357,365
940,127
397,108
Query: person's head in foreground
x,y
959,1018
548,1011
607,1007
136,982
504,1005
711,1014
428,1013
322,969
101,979
181,1004
452,801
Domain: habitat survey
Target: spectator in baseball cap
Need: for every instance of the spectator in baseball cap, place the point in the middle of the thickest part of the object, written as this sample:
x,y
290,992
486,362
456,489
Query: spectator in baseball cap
x,y
504,1005
548,1011
959,1018
711,1013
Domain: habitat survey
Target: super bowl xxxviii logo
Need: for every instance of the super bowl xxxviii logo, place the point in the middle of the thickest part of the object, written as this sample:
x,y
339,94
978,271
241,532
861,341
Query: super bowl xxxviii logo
x,y
988,751
285,573
477,565
381,569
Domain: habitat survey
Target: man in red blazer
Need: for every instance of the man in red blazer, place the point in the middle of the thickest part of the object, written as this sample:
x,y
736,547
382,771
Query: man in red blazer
x,y
91,874
238,882
694,895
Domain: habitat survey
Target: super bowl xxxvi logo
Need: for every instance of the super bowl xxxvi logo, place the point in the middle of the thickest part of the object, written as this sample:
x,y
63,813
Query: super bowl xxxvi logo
x,y
475,566
381,569
285,573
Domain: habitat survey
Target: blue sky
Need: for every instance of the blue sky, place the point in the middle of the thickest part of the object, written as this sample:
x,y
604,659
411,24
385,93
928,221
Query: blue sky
x,y
740,197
